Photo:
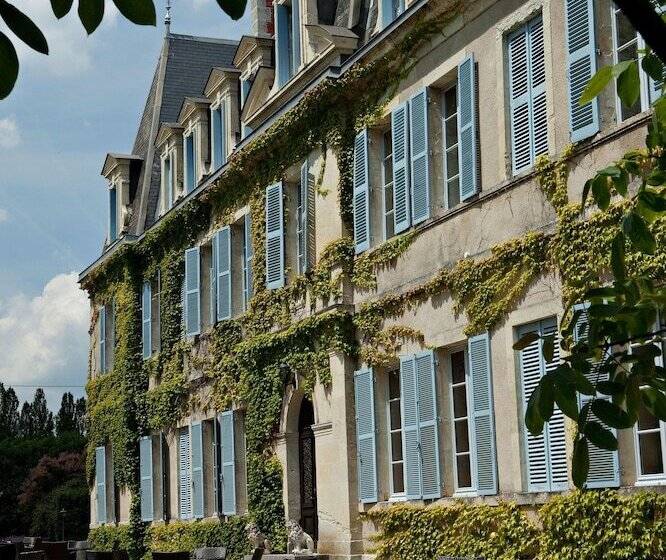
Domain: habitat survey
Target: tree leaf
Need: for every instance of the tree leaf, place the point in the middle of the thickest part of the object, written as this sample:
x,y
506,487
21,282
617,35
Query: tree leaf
x,y
23,27
91,13
580,462
61,7
611,414
655,402
653,66
234,8
596,84
601,437
637,231
525,341
548,347
565,397
629,85
546,398
533,419
9,66
610,388
601,192
141,12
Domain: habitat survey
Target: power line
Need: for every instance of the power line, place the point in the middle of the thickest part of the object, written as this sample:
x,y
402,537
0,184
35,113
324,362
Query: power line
x,y
47,386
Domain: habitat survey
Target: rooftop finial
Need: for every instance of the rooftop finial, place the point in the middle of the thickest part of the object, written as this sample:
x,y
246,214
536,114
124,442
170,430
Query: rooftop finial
x,y
167,17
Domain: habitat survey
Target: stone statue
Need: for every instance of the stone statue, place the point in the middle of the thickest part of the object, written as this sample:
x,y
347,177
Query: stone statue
x,y
298,541
256,537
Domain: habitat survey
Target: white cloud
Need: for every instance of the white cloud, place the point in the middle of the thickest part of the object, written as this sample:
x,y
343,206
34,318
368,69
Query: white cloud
x,y
9,133
4,215
70,49
44,340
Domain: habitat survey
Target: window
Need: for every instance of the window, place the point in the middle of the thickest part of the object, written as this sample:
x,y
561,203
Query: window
x,y
274,236
150,317
221,283
218,133
288,40
190,155
106,337
527,94
168,181
366,449
387,182
227,461
184,475
397,462
113,214
391,9
245,86
546,456
105,498
305,220
248,252
450,133
461,436
151,469
628,45
191,292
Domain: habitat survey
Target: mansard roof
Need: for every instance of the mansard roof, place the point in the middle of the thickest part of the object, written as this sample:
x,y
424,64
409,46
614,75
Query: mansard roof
x,y
182,71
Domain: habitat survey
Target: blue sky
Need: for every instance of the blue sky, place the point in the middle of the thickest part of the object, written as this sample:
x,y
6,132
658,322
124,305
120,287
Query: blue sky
x,y
67,111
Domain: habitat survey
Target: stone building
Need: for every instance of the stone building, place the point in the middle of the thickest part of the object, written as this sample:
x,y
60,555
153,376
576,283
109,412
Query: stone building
x,y
319,175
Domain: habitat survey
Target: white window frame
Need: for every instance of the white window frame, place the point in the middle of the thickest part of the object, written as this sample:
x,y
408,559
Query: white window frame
x,y
452,147
471,490
170,156
220,104
395,496
192,131
387,183
643,77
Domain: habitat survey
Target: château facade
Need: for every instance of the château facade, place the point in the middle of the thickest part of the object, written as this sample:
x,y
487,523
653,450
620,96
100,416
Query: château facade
x,y
321,250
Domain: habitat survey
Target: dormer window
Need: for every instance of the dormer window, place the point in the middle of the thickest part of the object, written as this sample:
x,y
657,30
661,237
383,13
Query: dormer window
x,y
113,214
218,132
168,180
190,157
287,40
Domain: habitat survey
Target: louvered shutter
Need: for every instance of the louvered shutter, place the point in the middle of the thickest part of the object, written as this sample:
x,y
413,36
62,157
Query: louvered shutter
x,y
535,446
192,286
478,348
604,465
410,428
102,338
223,266
361,193
424,364
519,94
365,435
184,475
248,249
164,486
197,471
538,89
581,66
401,191
467,127
146,472
274,237
419,157
146,320
227,462
306,243
212,283
100,476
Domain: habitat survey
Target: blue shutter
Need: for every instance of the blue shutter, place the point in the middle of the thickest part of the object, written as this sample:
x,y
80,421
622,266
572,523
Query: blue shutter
x,y
248,253
302,229
538,89
478,350
146,320
197,471
100,476
146,473
401,196
424,365
282,62
223,265
296,34
218,134
274,237
419,157
467,127
604,464
113,215
581,66
410,428
228,462
184,475
102,338
365,435
361,193
192,299
190,176
519,94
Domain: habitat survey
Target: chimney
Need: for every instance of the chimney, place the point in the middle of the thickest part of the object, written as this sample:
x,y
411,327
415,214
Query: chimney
x,y
262,18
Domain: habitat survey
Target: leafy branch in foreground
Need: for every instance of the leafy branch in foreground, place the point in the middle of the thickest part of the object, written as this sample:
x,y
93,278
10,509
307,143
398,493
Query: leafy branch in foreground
x,y
613,340
91,14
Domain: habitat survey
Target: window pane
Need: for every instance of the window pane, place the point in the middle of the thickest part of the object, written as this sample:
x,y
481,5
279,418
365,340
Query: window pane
x,y
459,402
394,385
453,190
464,470
395,415
651,455
452,162
462,437
629,53
451,131
450,102
458,367
396,446
624,30
646,421
388,198
398,478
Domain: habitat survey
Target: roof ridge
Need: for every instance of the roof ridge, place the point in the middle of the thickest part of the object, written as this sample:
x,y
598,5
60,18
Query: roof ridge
x,y
202,39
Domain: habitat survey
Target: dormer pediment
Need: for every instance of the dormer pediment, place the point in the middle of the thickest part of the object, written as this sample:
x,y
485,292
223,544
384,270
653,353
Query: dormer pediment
x,y
166,131
114,163
253,49
261,87
192,105
220,79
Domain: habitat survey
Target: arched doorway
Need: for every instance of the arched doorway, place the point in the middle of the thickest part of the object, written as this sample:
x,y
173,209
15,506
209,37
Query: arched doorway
x,y
308,474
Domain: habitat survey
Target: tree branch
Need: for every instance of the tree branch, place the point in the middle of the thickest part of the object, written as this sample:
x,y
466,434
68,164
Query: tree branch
x,y
648,22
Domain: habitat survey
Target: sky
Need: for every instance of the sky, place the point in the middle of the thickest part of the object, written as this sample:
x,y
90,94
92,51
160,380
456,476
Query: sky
x,y
66,112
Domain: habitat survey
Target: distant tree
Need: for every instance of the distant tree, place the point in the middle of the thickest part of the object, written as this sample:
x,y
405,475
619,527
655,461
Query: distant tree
x,y
9,415
65,420
26,426
42,416
80,416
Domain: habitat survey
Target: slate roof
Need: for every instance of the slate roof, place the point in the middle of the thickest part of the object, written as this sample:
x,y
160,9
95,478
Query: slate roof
x,y
182,71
